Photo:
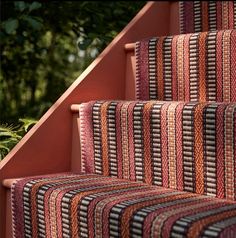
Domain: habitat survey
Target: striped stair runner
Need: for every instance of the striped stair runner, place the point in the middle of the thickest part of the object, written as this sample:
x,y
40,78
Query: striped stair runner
x,y
89,205
189,67
198,16
162,166
188,146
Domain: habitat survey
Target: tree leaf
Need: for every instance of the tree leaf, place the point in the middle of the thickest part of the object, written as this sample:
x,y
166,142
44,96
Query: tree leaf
x,y
84,44
11,25
20,5
35,23
2,36
34,6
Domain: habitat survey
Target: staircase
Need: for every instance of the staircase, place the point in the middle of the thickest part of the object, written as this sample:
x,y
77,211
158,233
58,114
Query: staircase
x,y
65,142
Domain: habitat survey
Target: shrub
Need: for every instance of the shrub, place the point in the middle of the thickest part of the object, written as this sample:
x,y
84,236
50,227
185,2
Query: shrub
x,y
10,135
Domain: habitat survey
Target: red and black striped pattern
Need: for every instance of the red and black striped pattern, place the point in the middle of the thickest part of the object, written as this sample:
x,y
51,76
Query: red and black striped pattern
x,y
189,67
198,16
72,205
180,145
186,149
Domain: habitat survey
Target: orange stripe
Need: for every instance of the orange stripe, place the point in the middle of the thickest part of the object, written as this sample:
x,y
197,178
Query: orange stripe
x,y
186,79
202,66
174,63
33,199
179,146
228,152
147,142
219,66
233,66
180,67
198,147
225,15
53,213
226,65
205,20
164,145
160,78
231,14
196,227
105,162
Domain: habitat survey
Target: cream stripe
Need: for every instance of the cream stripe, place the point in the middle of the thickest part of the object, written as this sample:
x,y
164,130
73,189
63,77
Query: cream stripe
x,y
226,65
171,144
52,211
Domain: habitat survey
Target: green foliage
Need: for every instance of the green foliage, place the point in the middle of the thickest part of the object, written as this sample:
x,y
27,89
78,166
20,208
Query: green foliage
x,y
10,135
10,25
45,46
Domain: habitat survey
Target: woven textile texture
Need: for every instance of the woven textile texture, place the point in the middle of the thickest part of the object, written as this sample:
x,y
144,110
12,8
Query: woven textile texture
x,y
197,16
184,146
98,206
188,67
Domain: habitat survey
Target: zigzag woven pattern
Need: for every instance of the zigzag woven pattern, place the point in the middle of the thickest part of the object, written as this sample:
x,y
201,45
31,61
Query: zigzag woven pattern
x,y
184,146
91,205
197,16
190,67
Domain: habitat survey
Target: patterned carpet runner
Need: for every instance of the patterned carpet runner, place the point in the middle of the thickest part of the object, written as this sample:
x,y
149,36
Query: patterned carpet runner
x,y
162,168
96,206
184,146
190,67
199,16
